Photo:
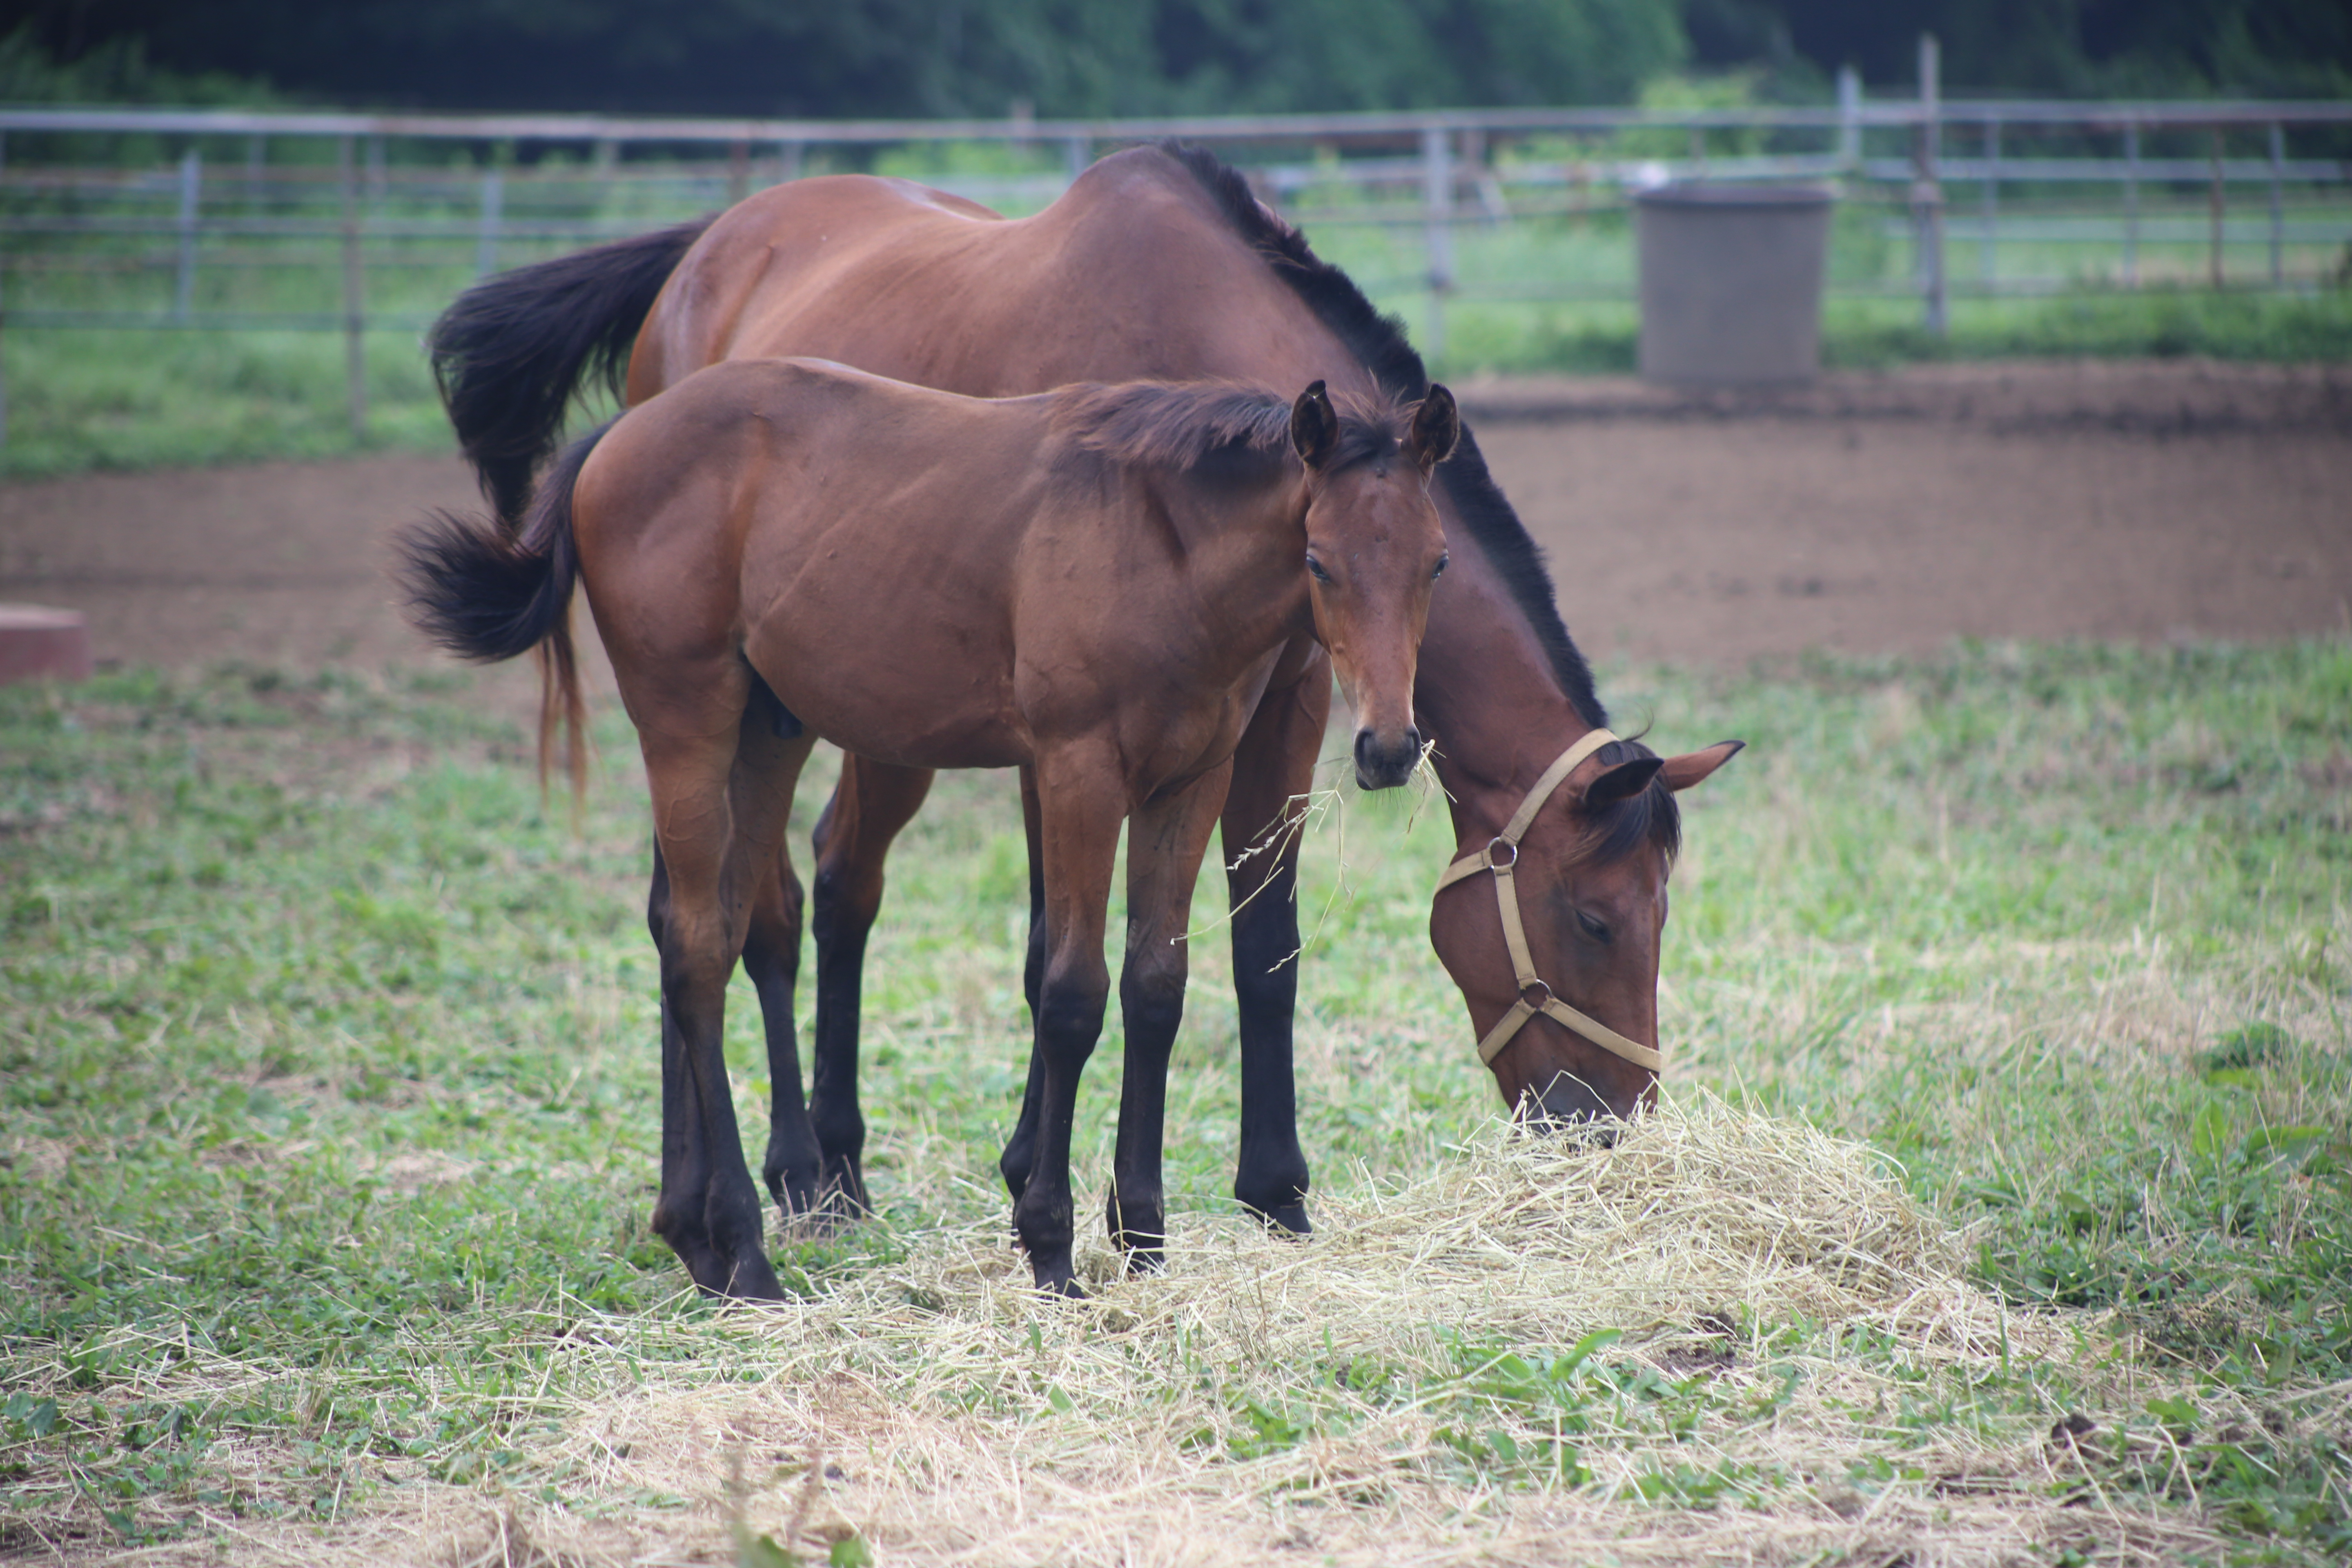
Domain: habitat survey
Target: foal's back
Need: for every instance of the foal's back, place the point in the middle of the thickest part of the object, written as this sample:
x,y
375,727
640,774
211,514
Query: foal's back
x,y
890,558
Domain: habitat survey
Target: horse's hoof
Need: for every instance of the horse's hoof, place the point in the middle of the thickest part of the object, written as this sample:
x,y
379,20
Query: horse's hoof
x,y
1286,1220
754,1280
1060,1287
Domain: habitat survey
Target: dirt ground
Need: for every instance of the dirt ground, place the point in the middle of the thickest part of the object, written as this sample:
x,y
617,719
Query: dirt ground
x,y
1869,512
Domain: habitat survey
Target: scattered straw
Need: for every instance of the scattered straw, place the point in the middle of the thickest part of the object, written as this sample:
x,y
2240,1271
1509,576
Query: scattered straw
x,y
1414,1386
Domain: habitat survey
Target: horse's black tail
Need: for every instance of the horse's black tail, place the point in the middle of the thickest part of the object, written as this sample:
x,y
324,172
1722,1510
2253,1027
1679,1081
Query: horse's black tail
x,y
486,594
514,348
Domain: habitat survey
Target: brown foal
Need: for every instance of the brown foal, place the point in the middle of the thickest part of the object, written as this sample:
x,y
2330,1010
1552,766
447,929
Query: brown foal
x,y
1095,585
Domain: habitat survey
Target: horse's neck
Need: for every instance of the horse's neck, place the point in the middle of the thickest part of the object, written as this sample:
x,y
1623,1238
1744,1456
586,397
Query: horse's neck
x,y
1486,695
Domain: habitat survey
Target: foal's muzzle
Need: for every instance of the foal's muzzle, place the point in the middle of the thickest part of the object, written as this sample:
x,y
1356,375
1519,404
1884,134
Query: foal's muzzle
x,y
1385,766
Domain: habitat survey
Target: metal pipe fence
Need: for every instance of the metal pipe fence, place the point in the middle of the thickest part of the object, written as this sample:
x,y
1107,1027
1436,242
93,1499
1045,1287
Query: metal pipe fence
x,y
360,224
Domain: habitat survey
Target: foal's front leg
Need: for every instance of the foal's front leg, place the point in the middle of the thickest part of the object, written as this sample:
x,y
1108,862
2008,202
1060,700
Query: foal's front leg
x,y
1082,797
1274,768
1165,841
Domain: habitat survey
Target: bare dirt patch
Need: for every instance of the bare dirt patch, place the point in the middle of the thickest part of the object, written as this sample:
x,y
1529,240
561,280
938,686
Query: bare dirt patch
x,y
1869,512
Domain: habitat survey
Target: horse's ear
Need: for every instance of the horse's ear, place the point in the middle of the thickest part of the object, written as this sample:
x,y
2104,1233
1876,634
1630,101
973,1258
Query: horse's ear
x,y
1436,426
1625,780
1314,427
1692,767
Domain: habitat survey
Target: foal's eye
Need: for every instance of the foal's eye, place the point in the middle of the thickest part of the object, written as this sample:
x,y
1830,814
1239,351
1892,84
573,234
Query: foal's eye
x,y
1315,570
1597,930
1439,570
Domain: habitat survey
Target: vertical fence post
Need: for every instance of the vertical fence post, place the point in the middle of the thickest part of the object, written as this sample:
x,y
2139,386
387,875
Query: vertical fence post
x,y
378,181
2278,206
1437,199
1990,241
184,283
355,299
4,305
257,163
1928,191
2218,202
2131,204
1077,153
739,171
606,155
486,244
787,161
1849,142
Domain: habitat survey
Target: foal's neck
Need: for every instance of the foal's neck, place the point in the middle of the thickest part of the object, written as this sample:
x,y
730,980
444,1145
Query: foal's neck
x,y
1245,555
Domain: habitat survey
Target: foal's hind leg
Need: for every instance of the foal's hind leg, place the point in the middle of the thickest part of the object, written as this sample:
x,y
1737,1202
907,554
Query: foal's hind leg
x,y
771,959
1165,841
722,786
869,807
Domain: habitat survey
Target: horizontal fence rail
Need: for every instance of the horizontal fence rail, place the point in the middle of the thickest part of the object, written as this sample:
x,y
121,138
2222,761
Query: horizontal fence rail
x,y
359,224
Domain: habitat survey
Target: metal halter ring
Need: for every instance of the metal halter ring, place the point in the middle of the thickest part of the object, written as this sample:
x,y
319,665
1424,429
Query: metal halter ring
x,y
1536,985
1502,865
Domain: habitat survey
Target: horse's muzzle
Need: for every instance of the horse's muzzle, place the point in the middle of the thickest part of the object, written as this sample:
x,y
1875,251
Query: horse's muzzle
x,y
1385,766
1569,1106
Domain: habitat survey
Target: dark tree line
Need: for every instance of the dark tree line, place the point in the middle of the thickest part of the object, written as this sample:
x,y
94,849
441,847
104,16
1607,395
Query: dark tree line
x,y
2285,48
931,58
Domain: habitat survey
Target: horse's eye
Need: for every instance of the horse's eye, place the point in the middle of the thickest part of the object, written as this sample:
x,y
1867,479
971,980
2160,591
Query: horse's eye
x,y
1315,570
1597,930
1443,561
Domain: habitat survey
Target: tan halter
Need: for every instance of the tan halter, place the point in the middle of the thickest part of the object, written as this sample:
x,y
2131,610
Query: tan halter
x,y
1514,936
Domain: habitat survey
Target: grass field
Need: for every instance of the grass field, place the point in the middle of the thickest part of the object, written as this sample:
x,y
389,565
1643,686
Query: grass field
x,y
2015,979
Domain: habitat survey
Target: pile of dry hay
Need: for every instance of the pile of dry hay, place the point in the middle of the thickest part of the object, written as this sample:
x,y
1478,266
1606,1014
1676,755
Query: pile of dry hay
x,y
1402,1389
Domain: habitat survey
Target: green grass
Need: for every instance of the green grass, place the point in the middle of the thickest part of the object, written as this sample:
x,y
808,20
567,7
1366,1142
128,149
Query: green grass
x,y
327,1064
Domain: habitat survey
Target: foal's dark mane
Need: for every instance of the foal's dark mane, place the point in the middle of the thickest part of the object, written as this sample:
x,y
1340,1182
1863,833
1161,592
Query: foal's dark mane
x,y
1379,341
1179,424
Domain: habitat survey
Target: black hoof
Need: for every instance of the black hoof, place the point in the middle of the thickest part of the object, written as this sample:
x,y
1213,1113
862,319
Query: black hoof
x,y
1060,1288
1286,1219
748,1279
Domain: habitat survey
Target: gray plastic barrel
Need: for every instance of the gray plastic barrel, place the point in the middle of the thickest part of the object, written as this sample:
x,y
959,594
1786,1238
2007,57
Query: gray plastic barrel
x,y
1731,282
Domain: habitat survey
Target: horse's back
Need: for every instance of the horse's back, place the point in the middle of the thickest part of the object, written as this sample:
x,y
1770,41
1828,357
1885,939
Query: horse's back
x,y
1134,273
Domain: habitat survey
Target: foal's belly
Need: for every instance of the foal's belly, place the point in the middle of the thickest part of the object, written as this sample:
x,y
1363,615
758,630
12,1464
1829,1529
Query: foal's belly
x,y
877,683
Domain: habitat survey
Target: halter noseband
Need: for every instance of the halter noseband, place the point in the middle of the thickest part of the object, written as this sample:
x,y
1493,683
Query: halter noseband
x,y
1501,856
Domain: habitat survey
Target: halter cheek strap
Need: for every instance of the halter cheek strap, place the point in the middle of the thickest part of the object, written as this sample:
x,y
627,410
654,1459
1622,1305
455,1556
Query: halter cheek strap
x,y
1501,856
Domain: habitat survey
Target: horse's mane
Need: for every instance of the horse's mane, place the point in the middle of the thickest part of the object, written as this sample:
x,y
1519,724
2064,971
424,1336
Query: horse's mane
x,y
1379,341
1181,425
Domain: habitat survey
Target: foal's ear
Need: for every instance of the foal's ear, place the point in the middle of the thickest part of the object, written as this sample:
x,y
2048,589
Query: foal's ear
x,y
1625,780
1436,426
1314,427
1692,767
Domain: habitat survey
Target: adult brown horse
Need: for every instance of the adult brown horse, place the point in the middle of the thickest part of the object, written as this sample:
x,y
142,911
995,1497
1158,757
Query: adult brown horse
x,y
1157,262
1093,585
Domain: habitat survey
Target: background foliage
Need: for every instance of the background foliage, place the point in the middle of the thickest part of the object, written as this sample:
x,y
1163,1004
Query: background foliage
x,y
1067,58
